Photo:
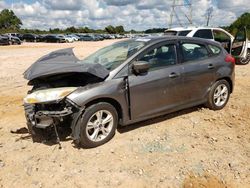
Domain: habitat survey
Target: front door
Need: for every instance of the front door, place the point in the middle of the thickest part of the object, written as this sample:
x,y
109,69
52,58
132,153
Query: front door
x,y
160,88
240,44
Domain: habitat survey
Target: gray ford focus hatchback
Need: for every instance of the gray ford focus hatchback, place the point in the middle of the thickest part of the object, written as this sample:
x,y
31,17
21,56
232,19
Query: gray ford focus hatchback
x,y
124,83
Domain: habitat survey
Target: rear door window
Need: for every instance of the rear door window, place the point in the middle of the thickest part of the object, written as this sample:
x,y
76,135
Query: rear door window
x,y
193,52
204,33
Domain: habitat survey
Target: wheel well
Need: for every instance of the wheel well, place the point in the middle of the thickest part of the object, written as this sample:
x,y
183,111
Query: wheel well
x,y
113,102
229,81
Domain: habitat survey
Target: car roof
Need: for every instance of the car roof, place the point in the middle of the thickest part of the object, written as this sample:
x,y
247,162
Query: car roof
x,y
191,28
156,39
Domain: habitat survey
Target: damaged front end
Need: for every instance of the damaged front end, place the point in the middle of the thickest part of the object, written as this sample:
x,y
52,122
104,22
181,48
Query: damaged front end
x,y
53,78
44,119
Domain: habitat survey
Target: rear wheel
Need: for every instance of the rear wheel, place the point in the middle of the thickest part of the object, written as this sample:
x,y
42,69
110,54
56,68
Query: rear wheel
x,y
245,61
218,95
97,125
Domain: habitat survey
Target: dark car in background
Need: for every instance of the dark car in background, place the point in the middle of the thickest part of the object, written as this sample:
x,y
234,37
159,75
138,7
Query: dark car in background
x,y
13,40
86,37
4,40
54,38
98,37
31,38
124,83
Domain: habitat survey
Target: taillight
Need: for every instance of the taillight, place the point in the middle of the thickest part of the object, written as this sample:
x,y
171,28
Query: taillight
x,y
229,59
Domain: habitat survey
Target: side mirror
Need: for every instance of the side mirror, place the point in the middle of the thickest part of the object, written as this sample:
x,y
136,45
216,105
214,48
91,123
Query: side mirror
x,y
140,67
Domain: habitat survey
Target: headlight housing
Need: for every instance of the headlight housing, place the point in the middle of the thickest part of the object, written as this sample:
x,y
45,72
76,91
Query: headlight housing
x,y
48,95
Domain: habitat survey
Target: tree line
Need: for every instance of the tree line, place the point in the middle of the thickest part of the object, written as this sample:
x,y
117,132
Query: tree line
x,y
9,22
242,21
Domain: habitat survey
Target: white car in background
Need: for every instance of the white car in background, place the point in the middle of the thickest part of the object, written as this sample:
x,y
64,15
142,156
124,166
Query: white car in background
x,y
228,41
66,38
73,36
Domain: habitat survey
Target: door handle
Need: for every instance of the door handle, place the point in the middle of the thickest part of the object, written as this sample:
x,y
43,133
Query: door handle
x,y
210,66
173,75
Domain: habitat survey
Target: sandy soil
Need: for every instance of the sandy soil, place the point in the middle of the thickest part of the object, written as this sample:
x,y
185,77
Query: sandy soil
x,y
196,147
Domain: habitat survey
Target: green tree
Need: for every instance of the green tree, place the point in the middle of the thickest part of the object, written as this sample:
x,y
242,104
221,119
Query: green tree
x,y
119,29
242,21
71,30
110,29
8,20
85,30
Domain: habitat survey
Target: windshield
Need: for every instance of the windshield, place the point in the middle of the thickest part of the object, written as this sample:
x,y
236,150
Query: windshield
x,y
114,55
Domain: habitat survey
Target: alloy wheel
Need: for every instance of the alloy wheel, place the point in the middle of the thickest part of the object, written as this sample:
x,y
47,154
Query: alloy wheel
x,y
99,125
220,95
245,60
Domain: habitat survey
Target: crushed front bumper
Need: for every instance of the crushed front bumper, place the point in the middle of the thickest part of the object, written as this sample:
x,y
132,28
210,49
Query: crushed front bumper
x,y
41,117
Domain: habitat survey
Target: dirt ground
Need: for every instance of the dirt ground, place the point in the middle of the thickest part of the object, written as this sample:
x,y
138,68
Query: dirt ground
x,y
195,147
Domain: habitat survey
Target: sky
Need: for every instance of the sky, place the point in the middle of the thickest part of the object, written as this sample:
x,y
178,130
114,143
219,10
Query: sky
x,y
132,14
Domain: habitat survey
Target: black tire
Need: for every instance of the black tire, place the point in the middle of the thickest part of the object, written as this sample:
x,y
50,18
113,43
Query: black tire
x,y
210,99
245,61
84,141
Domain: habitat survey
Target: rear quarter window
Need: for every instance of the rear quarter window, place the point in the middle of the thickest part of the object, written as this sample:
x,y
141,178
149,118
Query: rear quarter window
x,y
214,49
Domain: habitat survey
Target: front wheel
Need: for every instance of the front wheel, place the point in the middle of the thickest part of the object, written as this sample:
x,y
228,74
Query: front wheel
x,y
218,95
97,125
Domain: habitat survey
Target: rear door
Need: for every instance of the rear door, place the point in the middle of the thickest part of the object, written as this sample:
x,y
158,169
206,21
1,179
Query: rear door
x,y
198,70
240,44
160,88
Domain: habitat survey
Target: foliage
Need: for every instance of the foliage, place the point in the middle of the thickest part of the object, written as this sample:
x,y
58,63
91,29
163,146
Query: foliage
x,y
8,20
110,29
119,29
115,30
156,30
242,21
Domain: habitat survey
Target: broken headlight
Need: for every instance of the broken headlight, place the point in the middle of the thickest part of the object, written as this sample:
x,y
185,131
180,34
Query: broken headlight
x,y
48,95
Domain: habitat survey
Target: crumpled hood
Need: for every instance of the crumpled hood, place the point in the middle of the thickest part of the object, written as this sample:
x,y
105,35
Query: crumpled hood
x,y
60,62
